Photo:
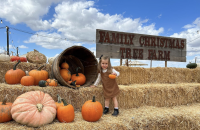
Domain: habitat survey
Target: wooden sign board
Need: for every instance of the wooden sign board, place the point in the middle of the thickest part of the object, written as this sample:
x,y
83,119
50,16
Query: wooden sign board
x,y
121,45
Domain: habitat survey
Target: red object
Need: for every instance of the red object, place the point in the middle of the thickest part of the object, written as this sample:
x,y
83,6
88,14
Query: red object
x,y
23,59
14,58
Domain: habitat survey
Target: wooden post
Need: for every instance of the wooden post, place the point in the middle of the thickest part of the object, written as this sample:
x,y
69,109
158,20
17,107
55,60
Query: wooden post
x,y
121,62
126,62
165,63
7,29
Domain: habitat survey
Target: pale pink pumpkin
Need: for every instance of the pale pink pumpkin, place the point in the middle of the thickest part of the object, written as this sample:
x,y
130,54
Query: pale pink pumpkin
x,y
34,108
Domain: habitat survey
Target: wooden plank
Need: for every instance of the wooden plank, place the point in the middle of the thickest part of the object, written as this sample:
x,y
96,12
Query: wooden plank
x,y
121,49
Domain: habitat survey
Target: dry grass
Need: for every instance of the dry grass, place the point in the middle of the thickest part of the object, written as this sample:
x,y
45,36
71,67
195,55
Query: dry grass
x,y
143,118
132,96
128,75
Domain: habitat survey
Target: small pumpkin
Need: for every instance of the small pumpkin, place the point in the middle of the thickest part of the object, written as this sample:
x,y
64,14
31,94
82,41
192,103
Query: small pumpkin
x,y
66,74
14,58
92,110
34,108
79,77
39,74
27,80
59,102
5,114
43,83
112,76
14,75
65,113
69,82
23,59
52,82
64,65
74,84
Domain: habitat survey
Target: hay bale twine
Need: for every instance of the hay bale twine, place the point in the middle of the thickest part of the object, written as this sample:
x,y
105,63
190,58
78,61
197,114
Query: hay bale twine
x,y
76,56
36,57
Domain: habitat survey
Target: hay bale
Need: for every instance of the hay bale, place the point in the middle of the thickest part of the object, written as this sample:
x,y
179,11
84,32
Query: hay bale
x,y
36,57
146,117
133,96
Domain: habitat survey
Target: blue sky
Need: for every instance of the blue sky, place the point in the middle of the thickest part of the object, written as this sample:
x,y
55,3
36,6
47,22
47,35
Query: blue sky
x,y
48,23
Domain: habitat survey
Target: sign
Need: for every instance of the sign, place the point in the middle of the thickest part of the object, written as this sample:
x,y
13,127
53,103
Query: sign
x,y
122,45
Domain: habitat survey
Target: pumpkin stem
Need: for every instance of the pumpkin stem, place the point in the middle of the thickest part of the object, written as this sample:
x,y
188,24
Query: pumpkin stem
x,y
59,98
39,107
15,66
64,102
93,100
40,67
4,100
77,71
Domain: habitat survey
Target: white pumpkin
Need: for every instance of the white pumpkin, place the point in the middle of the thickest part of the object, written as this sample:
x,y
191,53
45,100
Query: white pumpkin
x,y
51,59
4,58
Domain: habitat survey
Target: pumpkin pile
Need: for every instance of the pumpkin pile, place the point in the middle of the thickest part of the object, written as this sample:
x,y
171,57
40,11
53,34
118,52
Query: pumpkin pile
x,y
42,109
76,79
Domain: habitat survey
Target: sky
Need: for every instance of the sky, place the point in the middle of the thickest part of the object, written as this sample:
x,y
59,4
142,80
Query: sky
x,y
51,26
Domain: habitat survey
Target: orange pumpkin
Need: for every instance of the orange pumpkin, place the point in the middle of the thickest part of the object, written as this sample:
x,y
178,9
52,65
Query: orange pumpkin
x,y
14,75
39,75
92,110
34,108
65,113
27,80
112,76
66,74
59,102
79,77
5,108
64,65
52,82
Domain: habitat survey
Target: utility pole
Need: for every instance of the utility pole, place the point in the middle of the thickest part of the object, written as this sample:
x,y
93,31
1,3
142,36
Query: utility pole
x,y
17,52
7,30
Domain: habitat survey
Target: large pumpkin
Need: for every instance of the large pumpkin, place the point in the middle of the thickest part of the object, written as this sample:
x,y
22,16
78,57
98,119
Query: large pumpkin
x,y
34,108
14,75
92,110
79,77
65,113
39,75
5,108
66,74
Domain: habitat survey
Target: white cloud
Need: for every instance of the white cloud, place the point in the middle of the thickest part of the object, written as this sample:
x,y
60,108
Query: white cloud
x,y
78,22
50,41
29,12
2,50
159,16
93,50
22,46
192,37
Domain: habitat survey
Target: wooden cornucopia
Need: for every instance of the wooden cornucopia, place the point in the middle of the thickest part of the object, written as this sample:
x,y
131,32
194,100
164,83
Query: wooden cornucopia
x,y
150,98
